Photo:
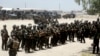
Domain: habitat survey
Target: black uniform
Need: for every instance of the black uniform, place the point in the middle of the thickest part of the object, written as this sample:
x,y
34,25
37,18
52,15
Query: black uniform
x,y
34,39
23,35
63,36
28,40
96,43
82,38
96,39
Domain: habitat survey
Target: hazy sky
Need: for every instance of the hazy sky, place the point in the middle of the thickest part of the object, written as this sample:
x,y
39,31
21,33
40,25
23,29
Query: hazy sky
x,y
65,5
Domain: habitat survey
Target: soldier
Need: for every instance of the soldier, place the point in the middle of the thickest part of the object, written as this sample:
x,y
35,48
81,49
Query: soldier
x,y
5,36
18,35
96,42
78,34
41,38
69,33
86,31
66,30
96,37
72,33
13,32
82,38
29,36
23,35
63,36
13,45
24,41
56,36
35,38
48,37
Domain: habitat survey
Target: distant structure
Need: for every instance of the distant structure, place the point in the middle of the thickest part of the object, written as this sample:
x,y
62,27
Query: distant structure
x,y
1,7
29,9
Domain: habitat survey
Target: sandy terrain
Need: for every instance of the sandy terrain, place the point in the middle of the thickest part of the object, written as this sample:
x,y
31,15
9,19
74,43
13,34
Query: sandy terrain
x,y
69,49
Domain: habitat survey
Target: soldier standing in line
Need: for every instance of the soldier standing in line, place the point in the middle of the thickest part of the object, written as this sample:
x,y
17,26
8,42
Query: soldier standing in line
x,y
23,29
28,41
56,36
34,39
24,41
63,35
69,32
96,42
5,36
13,32
82,38
78,34
41,38
96,38
18,35
73,32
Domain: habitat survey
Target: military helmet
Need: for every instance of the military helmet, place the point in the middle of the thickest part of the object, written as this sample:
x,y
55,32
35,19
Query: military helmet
x,y
14,26
98,19
4,25
22,26
34,26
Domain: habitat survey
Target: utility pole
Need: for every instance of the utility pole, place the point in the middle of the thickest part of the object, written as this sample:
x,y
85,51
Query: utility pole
x,y
25,4
59,6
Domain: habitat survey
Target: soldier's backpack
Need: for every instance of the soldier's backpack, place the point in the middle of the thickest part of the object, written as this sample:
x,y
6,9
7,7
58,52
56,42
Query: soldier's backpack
x,y
9,42
15,44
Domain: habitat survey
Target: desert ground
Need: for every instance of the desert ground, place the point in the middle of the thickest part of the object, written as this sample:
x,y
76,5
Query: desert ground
x,y
69,49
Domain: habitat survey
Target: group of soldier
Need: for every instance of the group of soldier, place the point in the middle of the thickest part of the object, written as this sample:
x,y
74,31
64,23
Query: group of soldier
x,y
50,35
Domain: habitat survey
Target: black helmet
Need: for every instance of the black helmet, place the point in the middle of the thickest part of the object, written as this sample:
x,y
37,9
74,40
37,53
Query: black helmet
x,y
14,26
34,26
22,26
4,25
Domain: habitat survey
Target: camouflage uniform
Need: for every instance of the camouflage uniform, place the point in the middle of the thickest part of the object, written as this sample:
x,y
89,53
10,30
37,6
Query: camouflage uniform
x,y
4,35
